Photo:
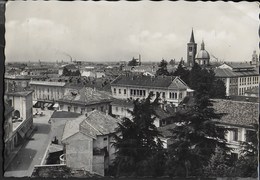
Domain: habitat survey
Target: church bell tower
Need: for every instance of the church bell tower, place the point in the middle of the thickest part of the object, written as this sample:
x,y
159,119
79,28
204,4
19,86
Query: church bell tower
x,y
191,50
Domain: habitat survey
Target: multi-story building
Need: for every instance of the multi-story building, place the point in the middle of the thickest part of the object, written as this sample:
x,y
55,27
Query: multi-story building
x,y
45,91
84,100
171,89
21,118
88,141
238,77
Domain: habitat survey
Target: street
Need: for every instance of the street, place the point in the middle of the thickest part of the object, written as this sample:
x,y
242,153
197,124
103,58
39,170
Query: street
x,y
33,150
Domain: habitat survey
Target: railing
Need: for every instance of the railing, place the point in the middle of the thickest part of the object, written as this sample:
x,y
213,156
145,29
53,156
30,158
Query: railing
x,y
62,159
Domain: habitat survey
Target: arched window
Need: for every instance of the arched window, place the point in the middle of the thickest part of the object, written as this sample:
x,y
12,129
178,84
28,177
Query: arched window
x,y
17,113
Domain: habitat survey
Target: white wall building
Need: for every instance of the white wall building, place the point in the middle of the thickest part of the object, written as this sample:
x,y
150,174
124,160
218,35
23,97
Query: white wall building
x,y
238,77
171,89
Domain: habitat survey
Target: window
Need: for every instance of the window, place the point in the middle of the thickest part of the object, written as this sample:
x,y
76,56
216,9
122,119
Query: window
x,y
119,91
122,109
190,48
137,92
93,109
105,139
69,108
163,94
116,108
102,109
234,134
131,92
144,92
114,90
124,91
75,109
175,95
134,92
180,95
141,92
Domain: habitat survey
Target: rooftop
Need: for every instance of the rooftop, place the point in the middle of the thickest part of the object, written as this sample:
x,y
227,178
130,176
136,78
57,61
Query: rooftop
x,y
85,96
148,81
237,112
229,73
238,65
64,114
96,123
101,122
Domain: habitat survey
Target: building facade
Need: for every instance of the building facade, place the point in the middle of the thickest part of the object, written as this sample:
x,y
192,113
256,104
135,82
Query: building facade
x,y
21,118
47,91
171,89
238,77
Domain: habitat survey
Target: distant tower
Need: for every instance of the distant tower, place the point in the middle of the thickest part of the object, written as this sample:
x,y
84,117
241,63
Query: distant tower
x,y
191,50
139,59
255,59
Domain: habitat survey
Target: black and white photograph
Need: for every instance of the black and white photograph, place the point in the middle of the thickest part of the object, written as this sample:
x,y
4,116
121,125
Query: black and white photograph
x,y
143,89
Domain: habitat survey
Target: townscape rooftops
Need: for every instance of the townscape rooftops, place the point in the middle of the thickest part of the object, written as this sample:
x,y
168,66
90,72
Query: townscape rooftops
x,y
237,112
85,96
229,73
146,81
64,114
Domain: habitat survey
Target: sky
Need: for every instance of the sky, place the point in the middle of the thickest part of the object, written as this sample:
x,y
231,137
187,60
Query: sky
x,y
118,31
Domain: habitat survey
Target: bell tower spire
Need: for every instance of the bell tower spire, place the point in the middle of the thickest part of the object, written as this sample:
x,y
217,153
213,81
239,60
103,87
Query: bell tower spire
x,y
191,50
192,37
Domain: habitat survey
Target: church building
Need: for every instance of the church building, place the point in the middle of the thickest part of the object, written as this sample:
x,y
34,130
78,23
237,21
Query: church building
x,y
202,57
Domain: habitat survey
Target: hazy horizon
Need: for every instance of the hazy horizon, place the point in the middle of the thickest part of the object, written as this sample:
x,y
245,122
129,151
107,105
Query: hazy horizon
x,y
118,31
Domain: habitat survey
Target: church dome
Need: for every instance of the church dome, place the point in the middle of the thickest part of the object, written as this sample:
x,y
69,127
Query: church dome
x,y
203,54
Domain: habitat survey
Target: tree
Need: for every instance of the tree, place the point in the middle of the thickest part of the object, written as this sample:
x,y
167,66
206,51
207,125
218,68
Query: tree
x,y
195,138
138,141
162,70
172,62
65,72
133,62
182,73
219,165
203,80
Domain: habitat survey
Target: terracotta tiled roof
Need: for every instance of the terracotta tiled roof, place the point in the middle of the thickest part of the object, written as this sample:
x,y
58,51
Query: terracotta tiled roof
x,y
96,123
101,122
86,96
237,112
145,81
